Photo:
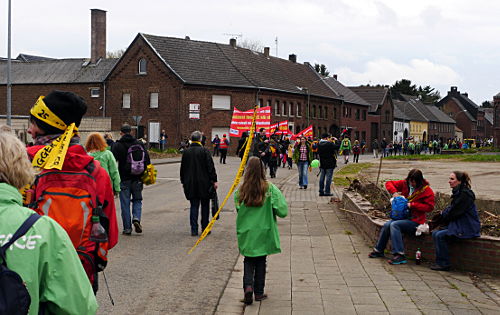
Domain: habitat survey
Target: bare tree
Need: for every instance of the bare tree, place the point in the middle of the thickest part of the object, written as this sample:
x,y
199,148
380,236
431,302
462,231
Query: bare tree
x,y
115,54
251,44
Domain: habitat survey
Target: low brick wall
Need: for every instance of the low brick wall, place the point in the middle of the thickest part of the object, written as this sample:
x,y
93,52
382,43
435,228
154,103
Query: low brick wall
x,y
476,255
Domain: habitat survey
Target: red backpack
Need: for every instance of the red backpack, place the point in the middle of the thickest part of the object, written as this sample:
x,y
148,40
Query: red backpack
x,y
70,198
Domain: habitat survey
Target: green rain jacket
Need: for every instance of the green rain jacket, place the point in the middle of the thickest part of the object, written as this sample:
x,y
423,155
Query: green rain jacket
x,y
108,162
45,259
257,228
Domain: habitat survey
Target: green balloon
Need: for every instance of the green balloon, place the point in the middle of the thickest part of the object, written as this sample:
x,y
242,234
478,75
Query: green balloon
x,y
315,164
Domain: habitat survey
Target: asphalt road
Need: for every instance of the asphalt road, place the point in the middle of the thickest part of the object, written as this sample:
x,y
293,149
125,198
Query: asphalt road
x,y
151,273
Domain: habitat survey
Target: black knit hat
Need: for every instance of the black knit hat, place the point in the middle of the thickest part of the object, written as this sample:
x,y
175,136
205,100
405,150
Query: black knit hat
x,y
68,106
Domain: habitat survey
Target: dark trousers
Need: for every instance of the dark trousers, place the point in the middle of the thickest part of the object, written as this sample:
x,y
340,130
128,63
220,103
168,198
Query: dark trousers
x,y
216,151
193,217
254,273
356,158
223,154
273,167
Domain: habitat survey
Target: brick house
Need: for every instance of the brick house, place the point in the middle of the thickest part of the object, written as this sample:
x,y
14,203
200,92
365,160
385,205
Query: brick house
x,y
381,112
470,118
496,120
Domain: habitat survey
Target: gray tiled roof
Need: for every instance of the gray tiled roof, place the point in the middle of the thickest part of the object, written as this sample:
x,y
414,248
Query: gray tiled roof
x,y
411,110
374,95
399,110
349,95
440,115
31,58
207,63
57,71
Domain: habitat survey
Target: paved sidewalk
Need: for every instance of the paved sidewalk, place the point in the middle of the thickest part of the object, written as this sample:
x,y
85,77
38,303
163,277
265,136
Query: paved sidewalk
x,y
324,269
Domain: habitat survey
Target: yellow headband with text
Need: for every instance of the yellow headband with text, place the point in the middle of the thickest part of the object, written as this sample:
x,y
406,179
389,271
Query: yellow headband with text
x,y
42,112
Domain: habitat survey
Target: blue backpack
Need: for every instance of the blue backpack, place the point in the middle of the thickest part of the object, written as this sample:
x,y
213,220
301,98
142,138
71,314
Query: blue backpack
x,y
399,209
14,296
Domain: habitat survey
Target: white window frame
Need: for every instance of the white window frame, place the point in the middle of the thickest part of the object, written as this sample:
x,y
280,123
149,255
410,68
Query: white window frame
x,y
283,108
126,100
140,66
154,99
298,112
154,132
291,112
221,102
92,92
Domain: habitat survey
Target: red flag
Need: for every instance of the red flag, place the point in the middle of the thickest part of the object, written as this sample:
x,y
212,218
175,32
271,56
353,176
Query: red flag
x,y
308,132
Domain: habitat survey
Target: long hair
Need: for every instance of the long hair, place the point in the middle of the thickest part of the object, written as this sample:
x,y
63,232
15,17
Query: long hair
x,y
95,142
15,167
417,176
463,178
252,192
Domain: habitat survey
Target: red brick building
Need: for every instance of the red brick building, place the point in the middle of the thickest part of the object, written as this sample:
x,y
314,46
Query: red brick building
x,y
496,120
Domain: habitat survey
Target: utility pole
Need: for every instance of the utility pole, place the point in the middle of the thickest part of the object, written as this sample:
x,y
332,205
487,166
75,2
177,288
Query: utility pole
x,y
9,61
276,42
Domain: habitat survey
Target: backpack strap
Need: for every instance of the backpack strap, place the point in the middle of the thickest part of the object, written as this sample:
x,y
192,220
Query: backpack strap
x,y
18,234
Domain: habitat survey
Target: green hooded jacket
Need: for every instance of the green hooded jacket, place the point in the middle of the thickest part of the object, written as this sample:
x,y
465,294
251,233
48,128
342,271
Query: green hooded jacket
x,y
108,162
257,228
45,259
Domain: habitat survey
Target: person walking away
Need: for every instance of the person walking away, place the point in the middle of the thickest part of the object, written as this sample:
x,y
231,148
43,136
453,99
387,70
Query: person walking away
x,y
289,153
215,144
327,163
258,203
459,220
265,154
96,148
420,199
273,157
242,144
109,140
375,148
198,177
71,187
363,146
43,256
133,160
356,150
223,147
314,149
302,156
345,148
383,147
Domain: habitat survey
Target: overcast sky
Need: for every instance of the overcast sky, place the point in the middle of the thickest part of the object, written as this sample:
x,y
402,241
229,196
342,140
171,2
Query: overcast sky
x,y
438,43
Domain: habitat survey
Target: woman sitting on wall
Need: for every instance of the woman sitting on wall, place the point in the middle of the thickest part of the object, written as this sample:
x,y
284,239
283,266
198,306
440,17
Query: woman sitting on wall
x,y
420,200
459,220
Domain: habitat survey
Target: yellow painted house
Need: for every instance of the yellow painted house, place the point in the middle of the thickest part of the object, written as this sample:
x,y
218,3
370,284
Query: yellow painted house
x,y
419,130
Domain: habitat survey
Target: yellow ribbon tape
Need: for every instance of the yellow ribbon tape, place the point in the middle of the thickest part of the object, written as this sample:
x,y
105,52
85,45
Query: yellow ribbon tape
x,y
52,155
233,186
42,112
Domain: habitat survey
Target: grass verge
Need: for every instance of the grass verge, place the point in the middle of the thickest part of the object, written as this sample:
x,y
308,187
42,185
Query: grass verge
x,y
464,157
350,170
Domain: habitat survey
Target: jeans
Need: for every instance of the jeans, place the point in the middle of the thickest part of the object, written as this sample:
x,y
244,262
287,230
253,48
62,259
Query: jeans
x,y
324,186
194,211
223,154
254,273
273,167
303,168
441,239
393,229
130,188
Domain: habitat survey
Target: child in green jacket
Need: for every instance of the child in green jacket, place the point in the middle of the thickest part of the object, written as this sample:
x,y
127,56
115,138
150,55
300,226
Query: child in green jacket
x,y
258,202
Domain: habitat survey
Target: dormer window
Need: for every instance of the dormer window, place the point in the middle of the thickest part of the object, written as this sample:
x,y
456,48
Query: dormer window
x,y
143,66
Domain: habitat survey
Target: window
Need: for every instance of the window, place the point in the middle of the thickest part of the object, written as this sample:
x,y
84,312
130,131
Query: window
x,y
357,114
346,111
320,110
335,113
313,111
357,135
283,108
290,109
364,115
363,135
261,102
221,102
350,112
299,110
268,103
94,92
126,100
277,108
143,66
387,114
153,100
326,113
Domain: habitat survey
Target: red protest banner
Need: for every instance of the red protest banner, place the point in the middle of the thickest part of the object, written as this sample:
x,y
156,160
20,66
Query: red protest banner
x,y
242,121
308,132
280,128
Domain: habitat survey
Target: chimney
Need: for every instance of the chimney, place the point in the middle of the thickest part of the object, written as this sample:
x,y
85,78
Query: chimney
x,y
335,76
232,42
266,52
98,35
292,58
453,90
465,94
187,38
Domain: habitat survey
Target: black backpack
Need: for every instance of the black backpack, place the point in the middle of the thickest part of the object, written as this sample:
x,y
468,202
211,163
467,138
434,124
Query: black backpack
x,y
14,296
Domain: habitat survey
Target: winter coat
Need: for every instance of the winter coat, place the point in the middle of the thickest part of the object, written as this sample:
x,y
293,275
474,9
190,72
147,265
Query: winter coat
x,y
422,203
240,151
76,160
256,227
326,152
120,151
45,259
296,153
197,172
461,215
375,145
108,162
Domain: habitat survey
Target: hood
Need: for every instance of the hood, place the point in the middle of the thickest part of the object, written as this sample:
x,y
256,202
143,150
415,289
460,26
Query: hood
x,y
127,138
76,157
9,194
464,190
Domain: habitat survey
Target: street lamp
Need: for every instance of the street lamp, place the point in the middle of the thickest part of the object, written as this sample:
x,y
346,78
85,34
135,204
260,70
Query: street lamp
x,y
9,64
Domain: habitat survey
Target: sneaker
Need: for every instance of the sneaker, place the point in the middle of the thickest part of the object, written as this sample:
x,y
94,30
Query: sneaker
x,y
398,260
439,267
300,187
376,254
127,232
137,226
305,186
321,194
328,195
248,298
260,297
193,233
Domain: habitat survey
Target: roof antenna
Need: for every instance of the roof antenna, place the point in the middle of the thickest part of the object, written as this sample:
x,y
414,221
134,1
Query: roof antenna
x,y
276,41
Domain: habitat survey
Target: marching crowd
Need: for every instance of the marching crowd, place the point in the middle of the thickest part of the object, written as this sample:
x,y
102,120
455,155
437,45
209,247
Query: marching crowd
x,y
58,217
